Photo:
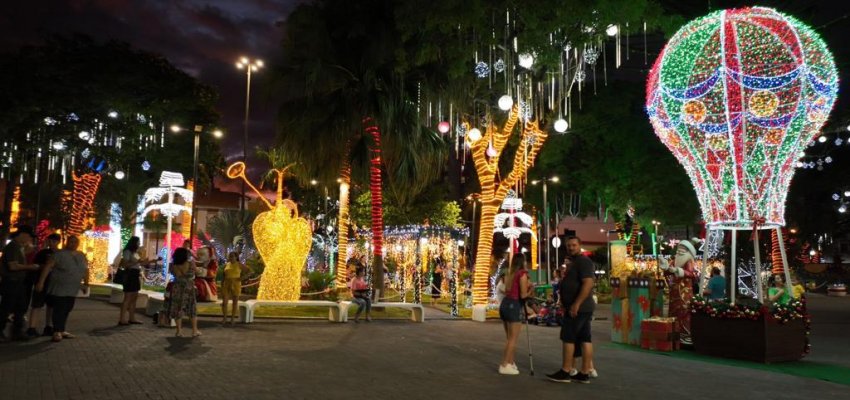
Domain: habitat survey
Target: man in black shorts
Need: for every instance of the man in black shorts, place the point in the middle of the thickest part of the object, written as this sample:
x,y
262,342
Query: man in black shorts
x,y
576,289
43,258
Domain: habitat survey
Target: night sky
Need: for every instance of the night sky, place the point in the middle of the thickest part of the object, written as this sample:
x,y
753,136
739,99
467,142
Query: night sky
x,y
203,38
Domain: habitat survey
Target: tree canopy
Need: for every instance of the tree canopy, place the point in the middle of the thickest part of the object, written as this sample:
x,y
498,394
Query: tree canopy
x,y
76,99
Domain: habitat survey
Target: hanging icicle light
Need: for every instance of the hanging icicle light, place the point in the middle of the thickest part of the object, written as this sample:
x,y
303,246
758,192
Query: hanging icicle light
x,y
561,125
506,102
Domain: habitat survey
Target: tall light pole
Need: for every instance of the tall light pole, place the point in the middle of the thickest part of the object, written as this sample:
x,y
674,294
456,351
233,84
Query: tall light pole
x,y
655,238
197,130
250,66
474,198
553,179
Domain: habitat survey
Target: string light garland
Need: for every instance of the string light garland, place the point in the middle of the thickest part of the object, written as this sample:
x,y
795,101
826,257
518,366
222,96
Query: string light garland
x,y
15,209
736,96
82,197
186,223
493,193
776,252
342,222
283,240
96,246
375,188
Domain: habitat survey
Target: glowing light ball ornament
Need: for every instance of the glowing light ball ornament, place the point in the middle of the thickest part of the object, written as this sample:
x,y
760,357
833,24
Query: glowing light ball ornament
x,y
735,96
283,240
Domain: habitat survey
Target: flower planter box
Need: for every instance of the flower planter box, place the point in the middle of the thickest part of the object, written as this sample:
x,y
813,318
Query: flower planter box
x,y
764,340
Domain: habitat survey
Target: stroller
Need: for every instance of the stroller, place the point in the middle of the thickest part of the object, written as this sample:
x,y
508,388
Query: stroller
x,y
544,312
550,314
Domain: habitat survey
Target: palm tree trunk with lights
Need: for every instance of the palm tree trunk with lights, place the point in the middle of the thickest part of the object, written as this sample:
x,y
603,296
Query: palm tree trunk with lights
x,y
372,130
343,222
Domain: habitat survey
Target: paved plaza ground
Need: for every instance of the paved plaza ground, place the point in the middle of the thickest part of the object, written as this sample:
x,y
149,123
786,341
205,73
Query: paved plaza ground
x,y
385,359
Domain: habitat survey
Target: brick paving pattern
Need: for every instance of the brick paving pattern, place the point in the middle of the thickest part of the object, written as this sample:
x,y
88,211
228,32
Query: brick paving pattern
x,y
440,359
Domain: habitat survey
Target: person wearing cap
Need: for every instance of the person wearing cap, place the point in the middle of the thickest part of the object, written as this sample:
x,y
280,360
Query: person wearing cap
x,y
13,288
41,280
681,277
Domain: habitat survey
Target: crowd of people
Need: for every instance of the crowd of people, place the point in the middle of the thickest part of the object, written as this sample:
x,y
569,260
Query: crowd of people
x,y
35,281
42,284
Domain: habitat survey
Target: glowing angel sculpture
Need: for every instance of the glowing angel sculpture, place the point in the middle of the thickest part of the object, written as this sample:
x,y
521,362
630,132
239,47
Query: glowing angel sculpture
x,y
283,240
736,96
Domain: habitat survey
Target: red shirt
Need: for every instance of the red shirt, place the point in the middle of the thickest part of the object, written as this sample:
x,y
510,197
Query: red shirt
x,y
514,292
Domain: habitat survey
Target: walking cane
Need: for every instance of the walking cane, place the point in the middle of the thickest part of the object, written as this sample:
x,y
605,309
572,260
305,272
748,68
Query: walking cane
x,y
528,339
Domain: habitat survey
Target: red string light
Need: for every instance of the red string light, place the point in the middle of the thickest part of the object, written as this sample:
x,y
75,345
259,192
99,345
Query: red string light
x,y
375,188
85,189
776,253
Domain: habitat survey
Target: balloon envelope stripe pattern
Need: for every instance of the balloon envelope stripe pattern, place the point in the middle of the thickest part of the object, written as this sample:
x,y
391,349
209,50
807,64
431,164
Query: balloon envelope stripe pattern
x,y
736,95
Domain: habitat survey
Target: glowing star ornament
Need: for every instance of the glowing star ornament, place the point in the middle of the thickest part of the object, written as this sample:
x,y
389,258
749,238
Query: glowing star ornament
x,y
282,238
735,96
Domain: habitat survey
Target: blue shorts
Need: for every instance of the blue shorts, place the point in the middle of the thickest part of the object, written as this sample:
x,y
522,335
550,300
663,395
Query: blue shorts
x,y
510,310
576,330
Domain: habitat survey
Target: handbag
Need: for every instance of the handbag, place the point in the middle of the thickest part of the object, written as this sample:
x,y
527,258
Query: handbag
x,y
120,276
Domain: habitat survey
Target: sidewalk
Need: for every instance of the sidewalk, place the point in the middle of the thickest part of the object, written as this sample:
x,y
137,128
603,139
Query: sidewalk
x,y
379,360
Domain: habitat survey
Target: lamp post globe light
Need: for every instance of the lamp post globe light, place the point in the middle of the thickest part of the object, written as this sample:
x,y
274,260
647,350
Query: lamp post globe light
x,y
250,66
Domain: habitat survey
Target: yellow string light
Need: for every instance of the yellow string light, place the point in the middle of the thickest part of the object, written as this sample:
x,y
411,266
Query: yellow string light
x,y
283,240
16,207
97,253
186,225
492,193
342,237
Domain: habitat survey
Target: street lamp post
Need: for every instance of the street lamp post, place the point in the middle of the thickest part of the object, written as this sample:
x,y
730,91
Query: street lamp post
x,y
249,66
197,147
553,179
474,198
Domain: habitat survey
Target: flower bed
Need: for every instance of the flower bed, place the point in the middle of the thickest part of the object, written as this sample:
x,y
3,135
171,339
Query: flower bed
x,y
755,333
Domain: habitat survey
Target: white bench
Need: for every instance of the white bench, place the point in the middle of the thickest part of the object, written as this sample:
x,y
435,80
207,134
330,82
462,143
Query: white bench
x,y
335,311
417,312
117,294
156,301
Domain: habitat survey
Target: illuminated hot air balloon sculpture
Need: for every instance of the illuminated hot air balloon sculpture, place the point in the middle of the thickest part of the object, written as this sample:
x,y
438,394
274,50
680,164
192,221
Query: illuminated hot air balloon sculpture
x,y
736,96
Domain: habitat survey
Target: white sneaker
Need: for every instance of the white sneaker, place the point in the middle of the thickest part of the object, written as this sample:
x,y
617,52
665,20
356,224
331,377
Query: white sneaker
x,y
573,372
593,374
508,370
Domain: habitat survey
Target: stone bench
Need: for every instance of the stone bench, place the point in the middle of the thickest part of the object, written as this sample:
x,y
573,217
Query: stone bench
x,y
335,311
157,299
117,294
417,312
